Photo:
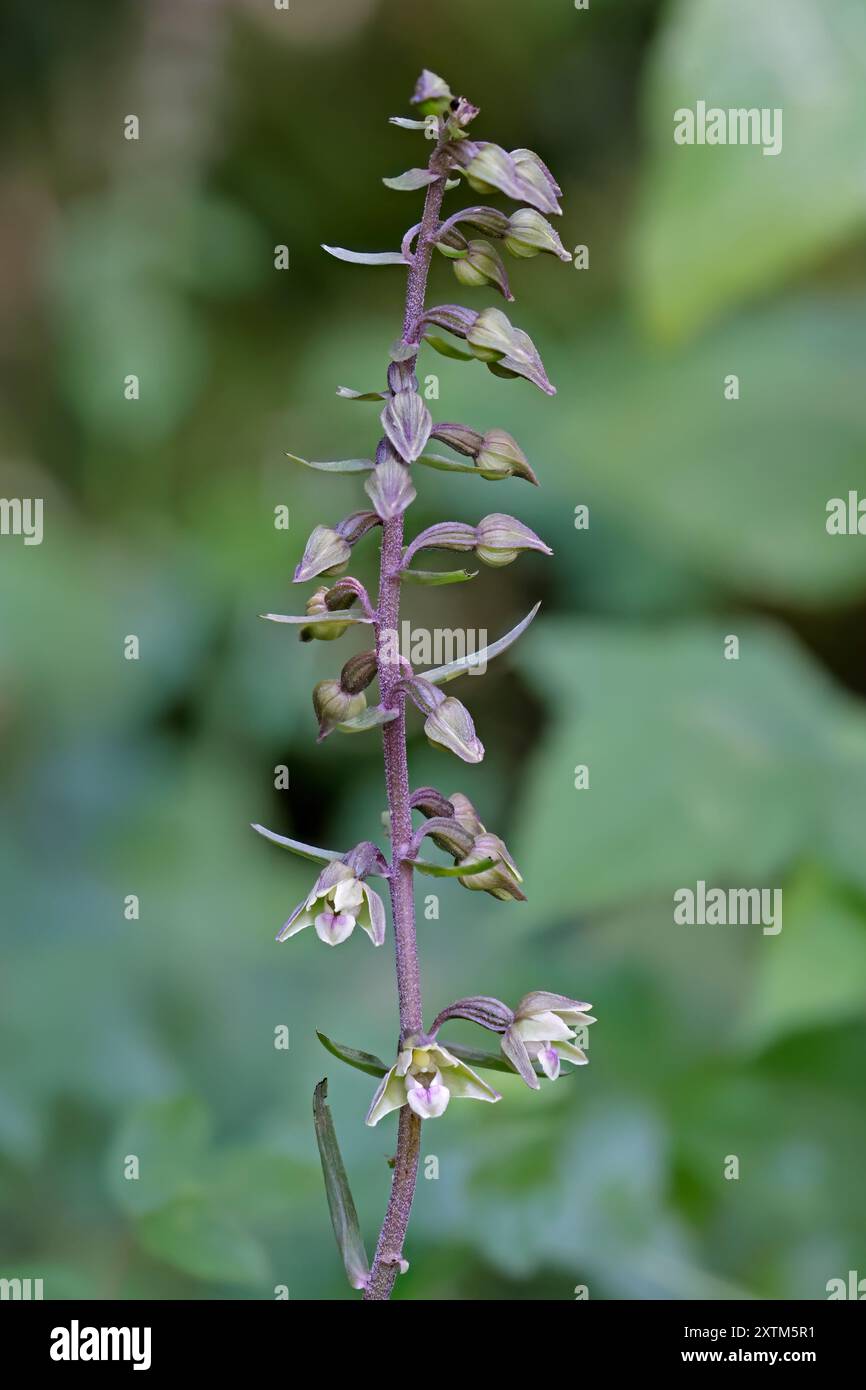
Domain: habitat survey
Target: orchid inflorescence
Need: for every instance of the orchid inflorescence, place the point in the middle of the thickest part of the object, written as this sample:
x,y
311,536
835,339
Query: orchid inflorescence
x,y
538,1035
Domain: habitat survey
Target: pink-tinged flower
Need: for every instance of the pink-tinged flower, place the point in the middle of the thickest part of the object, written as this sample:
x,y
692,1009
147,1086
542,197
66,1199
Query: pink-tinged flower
x,y
542,1032
426,1077
338,902
450,726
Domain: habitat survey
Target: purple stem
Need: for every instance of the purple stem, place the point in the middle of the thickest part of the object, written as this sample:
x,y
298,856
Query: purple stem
x,y
389,1248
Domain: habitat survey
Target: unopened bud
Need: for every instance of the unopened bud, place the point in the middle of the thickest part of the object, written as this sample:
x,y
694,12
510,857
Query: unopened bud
x,y
536,174
317,606
500,456
432,95
501,538
491,336
358,672
529,233
482,265
450,726
334,705
502,880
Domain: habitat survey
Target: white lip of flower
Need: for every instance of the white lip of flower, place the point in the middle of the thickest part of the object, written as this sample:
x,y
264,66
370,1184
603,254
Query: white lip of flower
x,y
426,1077
541,1029
337,902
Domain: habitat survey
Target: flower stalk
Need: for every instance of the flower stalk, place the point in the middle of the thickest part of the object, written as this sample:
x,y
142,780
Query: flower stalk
x,y
538,1035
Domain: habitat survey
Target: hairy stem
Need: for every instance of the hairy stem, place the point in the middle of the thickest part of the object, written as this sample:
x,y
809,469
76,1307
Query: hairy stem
x,y
389,1247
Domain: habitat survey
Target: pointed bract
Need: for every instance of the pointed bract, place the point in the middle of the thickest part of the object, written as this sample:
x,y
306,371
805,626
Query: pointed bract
x,y
390,488
407,423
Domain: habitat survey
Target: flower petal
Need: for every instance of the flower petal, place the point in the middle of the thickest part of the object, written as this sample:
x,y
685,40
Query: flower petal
x,y
300,918
543,1027
390,1095
373,918
334,927
549,1059
515,1050
428,1102
348,894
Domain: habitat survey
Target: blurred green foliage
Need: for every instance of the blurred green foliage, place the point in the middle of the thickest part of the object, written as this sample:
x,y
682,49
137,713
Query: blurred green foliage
x,y
156,1037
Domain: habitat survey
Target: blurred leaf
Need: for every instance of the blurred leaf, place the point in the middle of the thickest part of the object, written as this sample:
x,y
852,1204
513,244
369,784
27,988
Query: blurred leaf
x,y
196,1235
813,974
344,1217
699,768
169,1139
735,489
722,223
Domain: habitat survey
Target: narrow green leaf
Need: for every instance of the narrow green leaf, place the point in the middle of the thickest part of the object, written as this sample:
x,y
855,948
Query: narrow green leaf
x,y
361,1061
446,349
437,576
370,719
440,674
452,870
446,465
344,1217
319,856
338,465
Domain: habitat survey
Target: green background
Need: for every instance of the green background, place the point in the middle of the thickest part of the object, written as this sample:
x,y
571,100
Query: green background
x,y
261,128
